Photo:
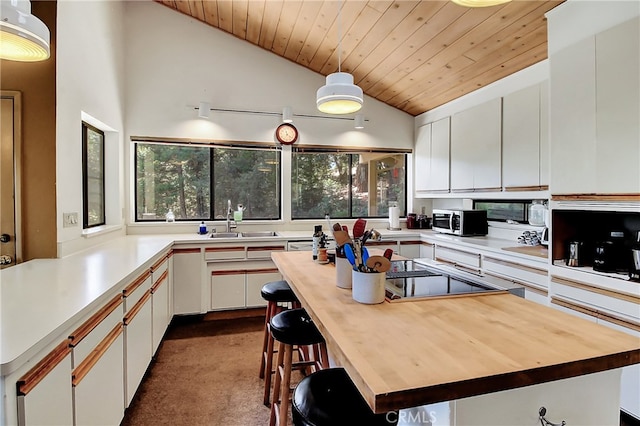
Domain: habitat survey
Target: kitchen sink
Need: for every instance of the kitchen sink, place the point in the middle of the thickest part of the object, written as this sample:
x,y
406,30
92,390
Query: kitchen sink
x,y
224,235
260,234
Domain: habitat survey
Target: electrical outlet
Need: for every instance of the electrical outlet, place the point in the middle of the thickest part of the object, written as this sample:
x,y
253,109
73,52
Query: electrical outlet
x,y
69,219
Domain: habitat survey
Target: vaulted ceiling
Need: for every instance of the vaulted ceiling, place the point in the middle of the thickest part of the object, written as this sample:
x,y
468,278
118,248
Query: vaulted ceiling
x,y
412,55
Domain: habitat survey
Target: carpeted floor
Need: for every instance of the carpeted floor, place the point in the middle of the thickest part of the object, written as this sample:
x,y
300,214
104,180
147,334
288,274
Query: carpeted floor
x,y
205,373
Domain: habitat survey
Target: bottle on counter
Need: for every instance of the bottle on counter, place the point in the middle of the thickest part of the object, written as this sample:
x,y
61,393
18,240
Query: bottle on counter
x,y
317,234
202,230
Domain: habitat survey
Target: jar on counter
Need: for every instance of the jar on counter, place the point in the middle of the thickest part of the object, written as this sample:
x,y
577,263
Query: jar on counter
x,y
537,212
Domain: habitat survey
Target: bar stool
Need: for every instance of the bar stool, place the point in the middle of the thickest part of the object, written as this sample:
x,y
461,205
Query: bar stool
x,y
275,293
292,328
329,398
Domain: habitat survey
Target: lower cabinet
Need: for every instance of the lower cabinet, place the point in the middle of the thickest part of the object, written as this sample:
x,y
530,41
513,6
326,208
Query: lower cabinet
x,y
98,383
410,249
462,259
241,288
44,394
187,285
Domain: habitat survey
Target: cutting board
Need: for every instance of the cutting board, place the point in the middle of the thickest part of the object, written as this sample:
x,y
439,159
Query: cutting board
x,y
539,251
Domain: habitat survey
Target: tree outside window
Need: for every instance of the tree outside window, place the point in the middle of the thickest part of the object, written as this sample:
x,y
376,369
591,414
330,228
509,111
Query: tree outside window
x,y
93,193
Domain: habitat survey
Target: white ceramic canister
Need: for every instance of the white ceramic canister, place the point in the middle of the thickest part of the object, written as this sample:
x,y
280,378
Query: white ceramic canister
x,y
343,272
368,287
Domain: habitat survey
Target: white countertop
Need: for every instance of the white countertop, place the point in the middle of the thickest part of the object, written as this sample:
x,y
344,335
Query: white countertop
x,y
41,298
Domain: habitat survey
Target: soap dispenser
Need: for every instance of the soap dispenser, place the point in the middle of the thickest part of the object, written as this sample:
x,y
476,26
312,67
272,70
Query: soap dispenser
x,y
203,228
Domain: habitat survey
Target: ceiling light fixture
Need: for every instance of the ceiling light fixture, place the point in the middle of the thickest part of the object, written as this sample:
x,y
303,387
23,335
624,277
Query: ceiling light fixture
x,y
479,3
339,95
359,121
287,117
23,37
204,109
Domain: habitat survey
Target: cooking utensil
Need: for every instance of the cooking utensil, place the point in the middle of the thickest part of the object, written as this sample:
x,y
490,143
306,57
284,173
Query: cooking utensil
x,y
388,253
348,251
341,237
359,227
378,263
365,255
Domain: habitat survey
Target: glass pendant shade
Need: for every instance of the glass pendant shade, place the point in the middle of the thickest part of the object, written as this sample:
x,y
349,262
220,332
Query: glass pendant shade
x,y
23,37
479,3
339,95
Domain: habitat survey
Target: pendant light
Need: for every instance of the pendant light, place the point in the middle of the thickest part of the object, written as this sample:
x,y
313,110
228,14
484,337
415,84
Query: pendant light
x,y
339,95
23,37
479,3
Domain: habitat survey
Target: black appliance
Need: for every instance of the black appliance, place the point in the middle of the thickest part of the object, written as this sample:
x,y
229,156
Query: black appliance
x,y
460,222
611,255
634,267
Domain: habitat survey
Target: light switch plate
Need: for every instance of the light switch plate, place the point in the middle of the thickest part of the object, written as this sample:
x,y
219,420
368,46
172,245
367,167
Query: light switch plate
x,y
69,219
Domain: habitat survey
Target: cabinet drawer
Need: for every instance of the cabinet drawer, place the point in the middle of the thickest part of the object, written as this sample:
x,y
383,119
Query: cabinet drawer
x,y
525,273
158,269
227,289
459,258
263,252
256,279
224,253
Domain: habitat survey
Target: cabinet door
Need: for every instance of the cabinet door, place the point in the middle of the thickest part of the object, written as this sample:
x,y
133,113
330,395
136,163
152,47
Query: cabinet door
x,y
439,157
227,289
618,109
462,151
410,249
544,134
422,157
98,382
255,280
521,139
572,118
160,308
188,265
138,342
44,393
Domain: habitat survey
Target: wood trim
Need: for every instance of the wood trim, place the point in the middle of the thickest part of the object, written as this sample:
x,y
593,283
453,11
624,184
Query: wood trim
x,y
137,283
529,286
223,249
206,142
425,243
266,248
263,271
156,265
228,272
457,250
92,359
409,243
595,289
381,243
185,250
244,271
27,382
159,282
462,190
494,189
128,317
86,327
432,191
517,265
596,197
596,313
526,188
348,149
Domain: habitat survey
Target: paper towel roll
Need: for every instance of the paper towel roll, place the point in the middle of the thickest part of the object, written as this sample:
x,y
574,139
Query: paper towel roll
x,y
394,218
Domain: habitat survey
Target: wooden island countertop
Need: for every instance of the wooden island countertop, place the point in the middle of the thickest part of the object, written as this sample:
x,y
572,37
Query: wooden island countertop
x,y
403,355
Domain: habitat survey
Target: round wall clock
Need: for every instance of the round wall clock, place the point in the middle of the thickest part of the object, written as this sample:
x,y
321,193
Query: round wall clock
x,y
287,134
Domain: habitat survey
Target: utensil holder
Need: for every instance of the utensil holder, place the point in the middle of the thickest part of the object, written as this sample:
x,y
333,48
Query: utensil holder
x,y
343,272
368,287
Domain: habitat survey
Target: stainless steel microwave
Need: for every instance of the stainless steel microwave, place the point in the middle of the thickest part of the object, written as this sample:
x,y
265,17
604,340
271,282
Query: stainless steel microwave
x,y
460,222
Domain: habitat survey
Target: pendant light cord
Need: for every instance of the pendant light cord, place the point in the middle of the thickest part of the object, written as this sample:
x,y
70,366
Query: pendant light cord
x,y
339,34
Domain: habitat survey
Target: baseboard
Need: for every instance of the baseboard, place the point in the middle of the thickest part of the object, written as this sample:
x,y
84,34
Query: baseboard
x,y
234,314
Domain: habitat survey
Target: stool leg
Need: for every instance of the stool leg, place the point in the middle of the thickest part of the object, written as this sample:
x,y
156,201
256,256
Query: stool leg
x,y
276,385
286,386
268,368
324,356
267,316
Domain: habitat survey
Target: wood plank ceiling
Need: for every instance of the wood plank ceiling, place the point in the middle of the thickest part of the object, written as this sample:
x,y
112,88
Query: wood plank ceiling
x,y
412,55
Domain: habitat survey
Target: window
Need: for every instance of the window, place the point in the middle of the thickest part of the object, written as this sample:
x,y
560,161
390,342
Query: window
x,y
503,210
93,194
196,182
346,185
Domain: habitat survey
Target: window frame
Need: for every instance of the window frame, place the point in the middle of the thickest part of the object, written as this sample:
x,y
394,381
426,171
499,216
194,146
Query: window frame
x,y
86,127
525,203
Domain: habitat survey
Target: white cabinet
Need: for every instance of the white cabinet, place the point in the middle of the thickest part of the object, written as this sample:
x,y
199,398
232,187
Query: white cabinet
x,y
524,149
227,289
161,307
595,114
137,332
188,266
44,392
463,259
410,249
255,279
432,157
476,148
426,250
240,287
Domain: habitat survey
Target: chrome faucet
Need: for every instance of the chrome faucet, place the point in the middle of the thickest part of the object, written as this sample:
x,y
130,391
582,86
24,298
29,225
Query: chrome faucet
x,y
231,223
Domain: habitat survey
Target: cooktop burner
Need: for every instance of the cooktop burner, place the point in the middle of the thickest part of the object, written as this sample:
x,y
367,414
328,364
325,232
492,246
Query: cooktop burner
x,y
408,279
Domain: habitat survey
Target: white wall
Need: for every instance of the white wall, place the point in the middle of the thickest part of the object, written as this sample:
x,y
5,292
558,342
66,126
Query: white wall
x,y
90,71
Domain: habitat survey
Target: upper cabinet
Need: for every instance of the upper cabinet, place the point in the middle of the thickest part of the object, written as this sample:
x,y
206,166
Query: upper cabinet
x,y
595,113
525,142
476,148
432,157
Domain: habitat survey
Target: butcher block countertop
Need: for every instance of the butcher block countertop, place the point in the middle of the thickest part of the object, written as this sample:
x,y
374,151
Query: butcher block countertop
x,y
403,355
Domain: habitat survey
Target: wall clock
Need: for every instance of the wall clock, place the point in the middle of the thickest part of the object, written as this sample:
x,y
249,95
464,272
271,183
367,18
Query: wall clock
x,y
287,134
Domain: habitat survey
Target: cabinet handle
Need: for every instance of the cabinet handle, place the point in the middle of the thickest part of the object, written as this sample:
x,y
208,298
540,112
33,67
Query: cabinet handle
x,y
222,249
596,313
157,265
159,282
92,359
137,283
84,330
185,251
595,289
128,317
516,265
34,376
266,248
532,287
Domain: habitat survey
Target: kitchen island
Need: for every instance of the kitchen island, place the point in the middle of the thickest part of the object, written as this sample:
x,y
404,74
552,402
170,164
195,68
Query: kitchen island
x,y
497,356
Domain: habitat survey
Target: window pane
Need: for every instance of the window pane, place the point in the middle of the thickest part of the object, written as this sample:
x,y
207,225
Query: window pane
x,y
250,177
378,180
93,173
175,178
504,210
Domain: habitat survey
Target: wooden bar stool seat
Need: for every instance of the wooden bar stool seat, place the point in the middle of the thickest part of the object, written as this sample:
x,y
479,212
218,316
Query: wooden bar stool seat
x,y
292,328
278,295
